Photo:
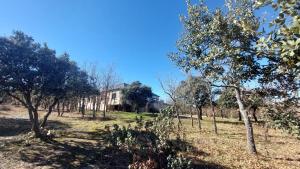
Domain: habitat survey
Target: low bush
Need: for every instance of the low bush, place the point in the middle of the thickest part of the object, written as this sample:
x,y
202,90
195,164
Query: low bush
x,y
149,143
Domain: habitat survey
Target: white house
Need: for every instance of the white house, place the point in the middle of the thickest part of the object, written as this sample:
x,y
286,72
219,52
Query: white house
x,y
115,102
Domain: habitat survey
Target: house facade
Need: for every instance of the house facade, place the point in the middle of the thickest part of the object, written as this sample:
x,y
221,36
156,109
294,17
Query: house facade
x,y
114,101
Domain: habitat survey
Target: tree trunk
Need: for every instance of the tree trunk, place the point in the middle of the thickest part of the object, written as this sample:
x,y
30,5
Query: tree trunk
x,y
175,110
240,116
192,119
105,104
58,110
214,117
83,108
254,114
30,115
35,125
248,124
191,113
214,114
222,115
63,108
43,124
94,108
199,113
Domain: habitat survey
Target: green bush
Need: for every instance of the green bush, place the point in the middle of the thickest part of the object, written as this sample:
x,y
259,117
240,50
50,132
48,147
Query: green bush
x,y
149,143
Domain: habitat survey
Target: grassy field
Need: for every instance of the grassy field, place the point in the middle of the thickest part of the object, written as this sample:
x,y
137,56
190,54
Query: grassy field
x,y
80,143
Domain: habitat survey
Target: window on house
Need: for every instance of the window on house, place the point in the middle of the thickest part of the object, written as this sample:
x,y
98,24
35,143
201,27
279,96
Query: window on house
x,y
113,96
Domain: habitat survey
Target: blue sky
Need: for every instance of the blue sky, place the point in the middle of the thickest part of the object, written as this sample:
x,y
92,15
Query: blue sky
x,y
133,35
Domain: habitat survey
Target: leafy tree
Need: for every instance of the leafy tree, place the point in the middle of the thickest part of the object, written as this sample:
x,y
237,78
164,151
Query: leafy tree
x,y
194,92
26,72
280,46
31,73
136,95
220,45
227,100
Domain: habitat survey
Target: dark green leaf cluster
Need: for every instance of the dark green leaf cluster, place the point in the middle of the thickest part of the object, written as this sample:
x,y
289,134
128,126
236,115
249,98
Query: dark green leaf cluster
x,y
137,94
149,142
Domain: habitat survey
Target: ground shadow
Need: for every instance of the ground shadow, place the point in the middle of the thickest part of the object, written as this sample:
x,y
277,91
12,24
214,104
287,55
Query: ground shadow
x,y
183,146
199,164
76,153
13,126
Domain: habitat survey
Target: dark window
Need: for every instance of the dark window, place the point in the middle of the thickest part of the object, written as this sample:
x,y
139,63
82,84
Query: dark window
x,y
113,97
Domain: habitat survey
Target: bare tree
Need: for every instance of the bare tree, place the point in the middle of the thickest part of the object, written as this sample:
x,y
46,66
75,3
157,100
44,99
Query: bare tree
x,y
108,81
169,87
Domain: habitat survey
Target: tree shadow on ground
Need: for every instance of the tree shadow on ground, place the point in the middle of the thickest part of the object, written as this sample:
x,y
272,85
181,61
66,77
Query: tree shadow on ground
x,y
77,149
14,127
194,154
89,150
76,152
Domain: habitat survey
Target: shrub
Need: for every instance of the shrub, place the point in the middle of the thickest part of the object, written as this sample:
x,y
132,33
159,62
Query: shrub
x,y
149,143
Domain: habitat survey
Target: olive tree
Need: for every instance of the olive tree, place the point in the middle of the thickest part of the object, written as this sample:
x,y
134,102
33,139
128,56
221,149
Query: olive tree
x,y
219,44
280,46
194,92
137,95
27,72
31,73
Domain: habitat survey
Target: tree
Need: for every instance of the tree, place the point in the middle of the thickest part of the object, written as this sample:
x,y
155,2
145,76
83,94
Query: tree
x,y
32,74
108,81
220,45
194,92
227,100
169,87
58,88
280,46
26,72
137,95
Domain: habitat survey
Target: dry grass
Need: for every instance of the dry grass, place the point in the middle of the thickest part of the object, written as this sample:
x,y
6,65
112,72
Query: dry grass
x,y
81,143
228,148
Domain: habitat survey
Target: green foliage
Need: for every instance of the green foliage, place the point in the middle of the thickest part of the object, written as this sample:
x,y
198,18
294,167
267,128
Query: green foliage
x,y
218,44
149,142
227,99
282,43
284,117
178,162
31,73
136,95
280,47
194,91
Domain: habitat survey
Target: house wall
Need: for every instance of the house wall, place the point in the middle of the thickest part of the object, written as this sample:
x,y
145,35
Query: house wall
x,y
114,99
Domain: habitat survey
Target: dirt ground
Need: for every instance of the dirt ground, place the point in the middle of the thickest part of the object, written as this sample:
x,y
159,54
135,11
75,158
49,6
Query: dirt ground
x,y
79,143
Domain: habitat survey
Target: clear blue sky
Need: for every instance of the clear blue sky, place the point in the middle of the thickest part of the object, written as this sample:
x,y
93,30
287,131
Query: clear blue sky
x,y
134,35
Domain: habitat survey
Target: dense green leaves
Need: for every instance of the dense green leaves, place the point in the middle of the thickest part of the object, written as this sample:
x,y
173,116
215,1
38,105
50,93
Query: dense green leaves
x,y
137,95
31,72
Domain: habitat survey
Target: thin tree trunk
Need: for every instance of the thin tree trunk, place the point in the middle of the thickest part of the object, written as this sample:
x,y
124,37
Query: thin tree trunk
x,y
178,117
105,104
248,124
43,124
222,115
58,110
191,112
199,112
254,114
266,131
83,108
63,108
240,116
94,108
214,117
